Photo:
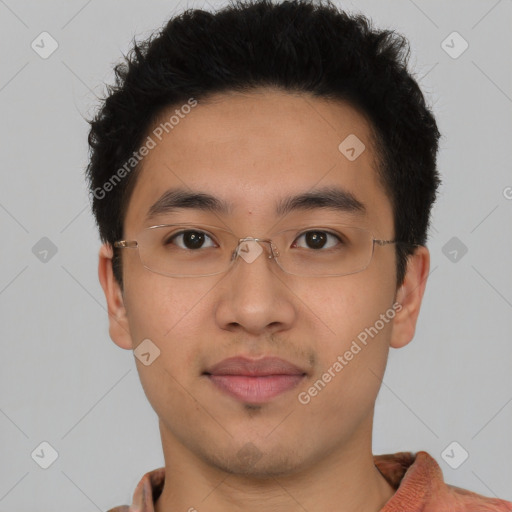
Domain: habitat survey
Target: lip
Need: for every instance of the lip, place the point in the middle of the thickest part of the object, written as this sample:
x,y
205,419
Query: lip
x,y
255,380
254,367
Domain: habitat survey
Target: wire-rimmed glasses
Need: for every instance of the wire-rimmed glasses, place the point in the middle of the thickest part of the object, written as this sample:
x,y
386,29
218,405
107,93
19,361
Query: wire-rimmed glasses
x,y
195,249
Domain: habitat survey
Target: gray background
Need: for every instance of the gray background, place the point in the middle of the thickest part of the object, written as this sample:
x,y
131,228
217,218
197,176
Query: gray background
x,y
63,381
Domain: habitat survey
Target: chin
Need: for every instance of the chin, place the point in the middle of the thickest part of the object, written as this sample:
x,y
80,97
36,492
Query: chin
x,y
252,462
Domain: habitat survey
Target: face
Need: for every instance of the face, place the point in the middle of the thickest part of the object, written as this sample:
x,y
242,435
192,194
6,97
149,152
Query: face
x,y
252,151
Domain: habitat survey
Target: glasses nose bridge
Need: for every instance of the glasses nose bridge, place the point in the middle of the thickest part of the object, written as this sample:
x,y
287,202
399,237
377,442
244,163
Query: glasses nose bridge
x,y
273,252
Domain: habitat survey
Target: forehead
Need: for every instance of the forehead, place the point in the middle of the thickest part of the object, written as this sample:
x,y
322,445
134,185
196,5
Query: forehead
x,y
252,150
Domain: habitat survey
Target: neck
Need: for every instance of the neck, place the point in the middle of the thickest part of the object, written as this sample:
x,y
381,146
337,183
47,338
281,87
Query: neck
x,y
345,480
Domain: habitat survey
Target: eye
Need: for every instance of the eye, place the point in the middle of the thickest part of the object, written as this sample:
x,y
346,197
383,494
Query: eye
x,y
317,239
190,239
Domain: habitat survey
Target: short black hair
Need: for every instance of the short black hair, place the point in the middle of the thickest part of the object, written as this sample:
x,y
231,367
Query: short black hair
x,y
302,46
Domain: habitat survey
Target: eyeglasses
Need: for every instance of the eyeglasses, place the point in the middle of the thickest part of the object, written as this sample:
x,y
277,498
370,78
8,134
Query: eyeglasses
x,y
193,250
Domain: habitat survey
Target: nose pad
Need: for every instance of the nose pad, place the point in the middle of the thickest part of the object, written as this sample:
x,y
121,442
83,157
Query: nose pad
x,y
250,248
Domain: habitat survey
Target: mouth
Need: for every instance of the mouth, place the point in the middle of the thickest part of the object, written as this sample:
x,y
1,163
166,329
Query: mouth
x,y
255,381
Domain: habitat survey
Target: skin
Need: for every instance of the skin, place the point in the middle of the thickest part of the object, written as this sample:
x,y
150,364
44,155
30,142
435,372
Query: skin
x,y
259,147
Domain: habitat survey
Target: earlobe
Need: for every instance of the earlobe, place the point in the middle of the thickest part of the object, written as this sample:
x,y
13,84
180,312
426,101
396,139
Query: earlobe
x,y
409,296
118,322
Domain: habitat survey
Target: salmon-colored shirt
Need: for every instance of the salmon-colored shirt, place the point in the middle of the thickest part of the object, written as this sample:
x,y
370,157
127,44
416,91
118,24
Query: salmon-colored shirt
x,y
417,478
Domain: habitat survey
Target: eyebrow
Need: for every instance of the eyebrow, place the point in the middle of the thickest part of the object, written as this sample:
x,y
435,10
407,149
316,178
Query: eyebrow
x,y
329,197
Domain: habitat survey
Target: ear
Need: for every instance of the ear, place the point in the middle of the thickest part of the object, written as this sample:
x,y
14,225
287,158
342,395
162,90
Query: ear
x,y
409,296
118,322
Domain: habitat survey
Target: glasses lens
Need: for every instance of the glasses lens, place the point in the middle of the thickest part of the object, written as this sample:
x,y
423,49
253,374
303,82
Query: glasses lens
x,y
186,250
193,250
334,251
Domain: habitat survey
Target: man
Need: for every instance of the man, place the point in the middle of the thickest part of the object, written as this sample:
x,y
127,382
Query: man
x,y
262,179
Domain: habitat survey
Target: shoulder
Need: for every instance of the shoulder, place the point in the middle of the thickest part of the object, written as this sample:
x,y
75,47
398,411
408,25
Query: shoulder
x,y
419,483
446,497
468,501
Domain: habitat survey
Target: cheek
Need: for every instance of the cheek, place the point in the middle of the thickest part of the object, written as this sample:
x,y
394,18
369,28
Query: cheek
x,y
160,307
352,353
345,306
354,319
170,313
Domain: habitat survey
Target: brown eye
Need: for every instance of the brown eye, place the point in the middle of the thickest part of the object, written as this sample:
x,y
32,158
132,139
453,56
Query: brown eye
x,y
190,239
317,239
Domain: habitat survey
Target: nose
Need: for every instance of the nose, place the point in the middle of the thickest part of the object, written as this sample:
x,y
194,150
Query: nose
x,y
254,296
